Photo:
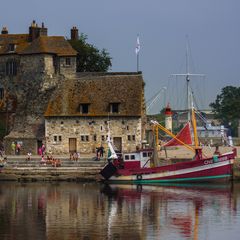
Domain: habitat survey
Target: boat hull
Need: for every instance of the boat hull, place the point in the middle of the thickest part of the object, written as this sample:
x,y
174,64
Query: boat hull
x,y
204,170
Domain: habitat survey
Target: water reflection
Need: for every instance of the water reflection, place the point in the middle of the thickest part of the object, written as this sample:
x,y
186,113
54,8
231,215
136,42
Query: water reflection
x,y
177,211
93,211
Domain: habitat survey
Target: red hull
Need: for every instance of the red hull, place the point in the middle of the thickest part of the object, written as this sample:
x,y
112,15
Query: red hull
x,y
210,169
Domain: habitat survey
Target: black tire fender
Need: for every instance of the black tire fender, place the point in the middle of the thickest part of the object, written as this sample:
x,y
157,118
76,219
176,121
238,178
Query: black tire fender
x,y
139,176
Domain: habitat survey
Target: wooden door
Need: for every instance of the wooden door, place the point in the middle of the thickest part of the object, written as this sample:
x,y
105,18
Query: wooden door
x,y
117,142
72,145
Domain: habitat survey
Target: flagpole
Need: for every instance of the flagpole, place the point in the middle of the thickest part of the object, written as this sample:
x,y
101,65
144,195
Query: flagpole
x,y
137,49
137,62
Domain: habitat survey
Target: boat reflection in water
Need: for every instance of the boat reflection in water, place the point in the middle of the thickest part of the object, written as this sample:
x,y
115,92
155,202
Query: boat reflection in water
x,y
176,212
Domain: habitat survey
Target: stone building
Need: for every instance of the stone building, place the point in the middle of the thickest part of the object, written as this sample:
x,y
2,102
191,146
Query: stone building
x,y
38,77
79,111
31,66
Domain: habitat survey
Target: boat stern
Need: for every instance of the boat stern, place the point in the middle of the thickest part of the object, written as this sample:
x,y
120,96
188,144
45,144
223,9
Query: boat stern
x,y
108,171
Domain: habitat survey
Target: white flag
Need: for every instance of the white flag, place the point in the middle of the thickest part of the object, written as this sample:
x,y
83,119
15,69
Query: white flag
x,y
137,45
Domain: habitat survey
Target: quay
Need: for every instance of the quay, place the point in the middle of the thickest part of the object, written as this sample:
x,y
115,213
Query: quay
x,y
18,168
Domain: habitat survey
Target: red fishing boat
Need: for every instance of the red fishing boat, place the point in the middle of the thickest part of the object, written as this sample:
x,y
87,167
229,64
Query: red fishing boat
x,y
138,168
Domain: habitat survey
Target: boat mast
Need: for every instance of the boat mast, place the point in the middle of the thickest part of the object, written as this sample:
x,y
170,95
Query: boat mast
x,y
188,80
188,75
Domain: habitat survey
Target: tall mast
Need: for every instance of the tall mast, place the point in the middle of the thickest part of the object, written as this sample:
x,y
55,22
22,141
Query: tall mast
x,y
188,80
188,75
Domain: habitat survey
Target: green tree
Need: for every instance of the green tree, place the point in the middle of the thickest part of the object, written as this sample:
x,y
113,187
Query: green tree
x,y
227,107
89,58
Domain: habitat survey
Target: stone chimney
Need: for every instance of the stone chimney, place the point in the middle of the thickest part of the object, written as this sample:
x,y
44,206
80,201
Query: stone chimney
x,y
35,31
74,33
4,30
43,30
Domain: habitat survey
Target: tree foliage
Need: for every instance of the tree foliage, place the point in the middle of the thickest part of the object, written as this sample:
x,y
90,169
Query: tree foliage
x,y
90,58
227,106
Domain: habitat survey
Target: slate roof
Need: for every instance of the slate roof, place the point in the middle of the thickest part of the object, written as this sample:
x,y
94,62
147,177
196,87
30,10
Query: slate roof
x,y
99,92
44,44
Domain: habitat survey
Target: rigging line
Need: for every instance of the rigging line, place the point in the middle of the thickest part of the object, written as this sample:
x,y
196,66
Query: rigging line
x,y
150,99
185,105
204,123
201,116
155,99
175,93
170,90
203,119
202,95
194,98
154,96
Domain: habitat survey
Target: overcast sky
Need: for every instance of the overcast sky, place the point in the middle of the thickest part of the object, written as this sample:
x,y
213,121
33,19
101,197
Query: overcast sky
x,y
212,27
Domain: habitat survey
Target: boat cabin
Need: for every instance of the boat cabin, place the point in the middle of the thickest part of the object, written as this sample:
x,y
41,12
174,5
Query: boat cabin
x,y
138,159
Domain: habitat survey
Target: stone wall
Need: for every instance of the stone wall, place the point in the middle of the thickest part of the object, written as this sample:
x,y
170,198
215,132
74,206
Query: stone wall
x,y
27,144
9,102
32,87
67,70
91,133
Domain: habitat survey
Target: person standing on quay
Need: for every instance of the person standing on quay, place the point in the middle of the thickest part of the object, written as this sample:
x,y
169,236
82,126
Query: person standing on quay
x,y
43,149
13,147
18,148
29,155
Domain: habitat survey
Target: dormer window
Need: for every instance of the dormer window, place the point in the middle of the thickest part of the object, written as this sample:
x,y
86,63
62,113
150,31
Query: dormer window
x,y
11,47
84,108
67,61
114,107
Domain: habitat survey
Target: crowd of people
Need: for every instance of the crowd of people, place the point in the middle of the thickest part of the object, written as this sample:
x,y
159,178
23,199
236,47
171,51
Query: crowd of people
x,y
74,156
47,158
50,160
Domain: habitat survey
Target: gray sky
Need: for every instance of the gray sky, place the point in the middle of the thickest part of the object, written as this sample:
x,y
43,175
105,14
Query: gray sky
x,y
212,27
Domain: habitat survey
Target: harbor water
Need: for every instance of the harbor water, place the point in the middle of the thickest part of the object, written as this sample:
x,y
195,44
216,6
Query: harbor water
x,y
71,210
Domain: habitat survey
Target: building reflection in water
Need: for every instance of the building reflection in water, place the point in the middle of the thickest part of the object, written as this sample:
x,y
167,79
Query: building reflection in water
x,y
93,211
